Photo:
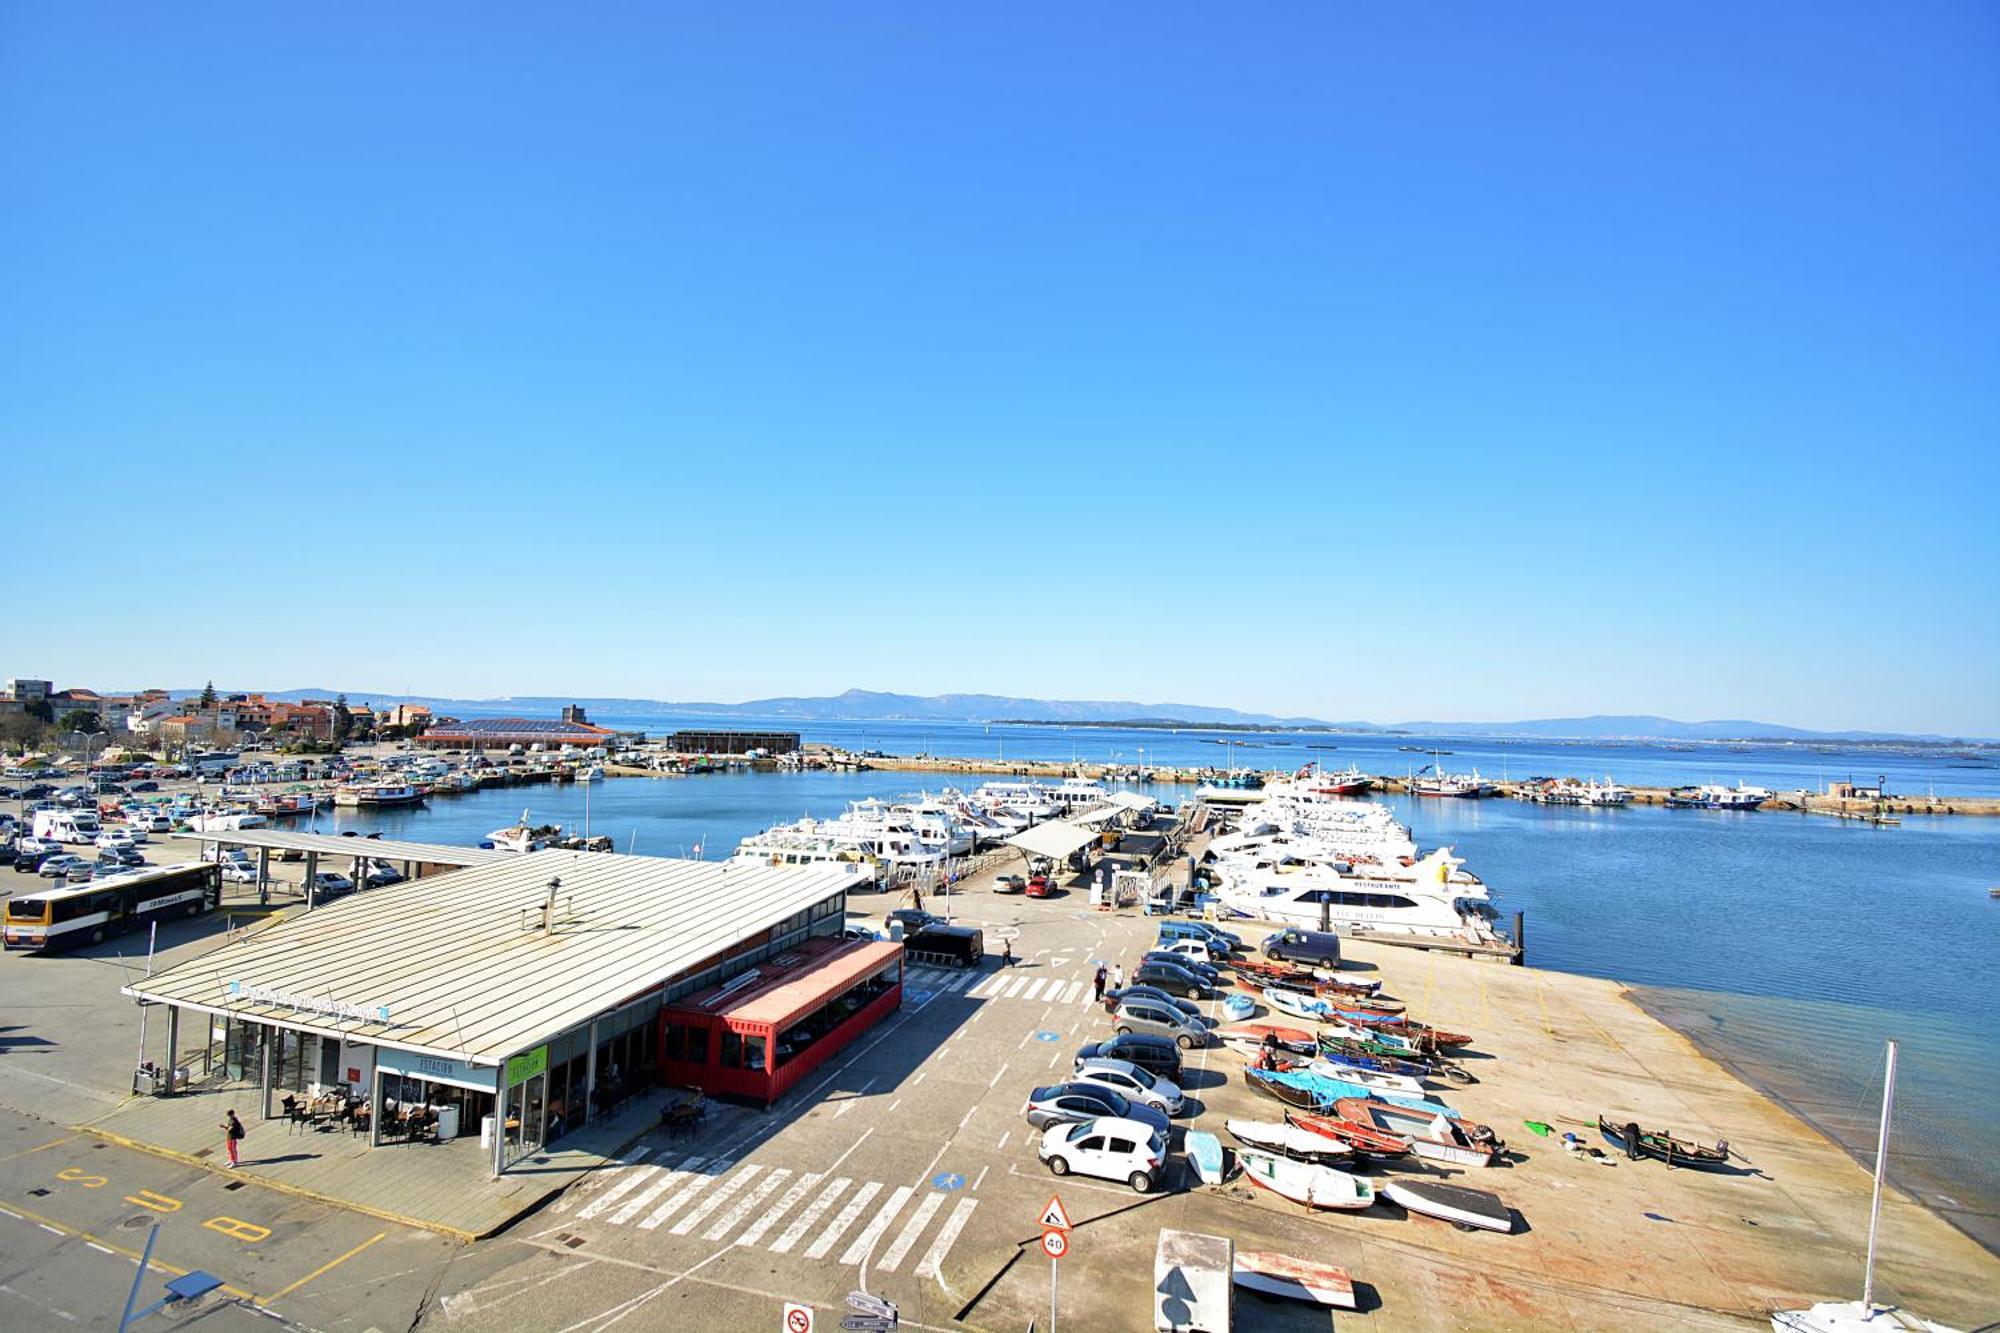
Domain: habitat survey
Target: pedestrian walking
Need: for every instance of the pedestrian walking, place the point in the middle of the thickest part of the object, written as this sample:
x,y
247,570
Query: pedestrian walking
x,y
1117,976
1098,982
1006,953
232,1134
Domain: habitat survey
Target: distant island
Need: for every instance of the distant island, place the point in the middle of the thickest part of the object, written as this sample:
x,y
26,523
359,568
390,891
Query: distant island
x,y
1181,724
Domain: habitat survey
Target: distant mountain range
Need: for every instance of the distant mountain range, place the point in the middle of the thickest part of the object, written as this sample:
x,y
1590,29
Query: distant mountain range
x,y
877,706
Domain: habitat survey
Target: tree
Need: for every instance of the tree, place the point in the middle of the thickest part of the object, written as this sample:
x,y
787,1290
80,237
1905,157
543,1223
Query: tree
x,y
78,719
40,709
343,721
208,695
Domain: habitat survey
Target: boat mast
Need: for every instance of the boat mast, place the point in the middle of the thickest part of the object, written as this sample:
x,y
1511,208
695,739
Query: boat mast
x,y
1881,1164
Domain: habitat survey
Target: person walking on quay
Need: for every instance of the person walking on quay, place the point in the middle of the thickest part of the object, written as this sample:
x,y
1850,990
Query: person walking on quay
x,y
1117,976
232,1134
1098,982
1006,953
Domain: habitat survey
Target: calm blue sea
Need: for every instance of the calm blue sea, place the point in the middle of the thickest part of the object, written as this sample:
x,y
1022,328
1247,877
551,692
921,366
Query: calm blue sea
x,y
1790,946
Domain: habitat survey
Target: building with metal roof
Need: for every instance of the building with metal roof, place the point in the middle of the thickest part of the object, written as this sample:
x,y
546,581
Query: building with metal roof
x,y
526,988
487,732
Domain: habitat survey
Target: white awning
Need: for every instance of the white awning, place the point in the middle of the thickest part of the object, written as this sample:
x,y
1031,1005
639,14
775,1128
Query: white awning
x,y
1131,800
1057,838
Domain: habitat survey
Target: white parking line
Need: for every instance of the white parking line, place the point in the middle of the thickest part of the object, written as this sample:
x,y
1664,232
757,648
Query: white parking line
x,y
933,1261
693,1179
835,1228
876,1226
794,1233
699,1213
911,1230
729,1220
994,1082
982,1175
101,1249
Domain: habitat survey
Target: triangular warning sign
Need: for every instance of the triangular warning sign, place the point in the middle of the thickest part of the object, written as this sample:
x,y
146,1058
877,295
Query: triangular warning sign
x,y
1054,1216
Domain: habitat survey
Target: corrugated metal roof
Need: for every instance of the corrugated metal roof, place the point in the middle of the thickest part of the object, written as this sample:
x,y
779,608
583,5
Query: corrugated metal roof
x,y
331,844
460,962
1056,838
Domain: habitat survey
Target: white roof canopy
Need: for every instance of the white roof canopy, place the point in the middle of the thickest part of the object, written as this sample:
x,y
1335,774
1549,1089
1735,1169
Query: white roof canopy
x,y
332,844
1057,838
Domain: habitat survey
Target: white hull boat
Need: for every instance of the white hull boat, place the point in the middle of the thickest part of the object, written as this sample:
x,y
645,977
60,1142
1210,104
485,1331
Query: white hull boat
x,y
1287,1140
1304,1183
1468,1209
1282,1275
1372,1079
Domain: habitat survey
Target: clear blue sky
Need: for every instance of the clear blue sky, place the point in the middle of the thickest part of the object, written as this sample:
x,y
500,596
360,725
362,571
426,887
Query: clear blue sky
x,y
1359,361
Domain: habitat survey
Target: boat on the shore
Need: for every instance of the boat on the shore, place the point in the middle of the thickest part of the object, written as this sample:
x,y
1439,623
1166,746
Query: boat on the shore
x,y
1289,1140
1661,1146
1375,1080
1366,1140
1303,1183
1435,1137
1466,1208
1271,1274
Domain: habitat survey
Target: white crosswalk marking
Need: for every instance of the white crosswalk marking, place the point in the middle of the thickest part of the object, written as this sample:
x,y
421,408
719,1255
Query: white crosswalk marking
x,y
693,1179
599,1178
965,980
755,1231
794,1233
727,1222
1015,989
834,1229
911,1230
876,1226
932,1263
1034,988
1071,992
627,1180
656,1185
699,1213
984,988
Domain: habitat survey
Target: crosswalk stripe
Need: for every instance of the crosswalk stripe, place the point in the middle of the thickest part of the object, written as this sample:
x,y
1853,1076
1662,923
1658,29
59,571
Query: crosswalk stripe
x,y
598,1179
695,1175
755,1231
727,1222
803,1223
626,1182
984,988
876,1226
699,1213
1034,988
1070,992
933,1261
827,1238
911,1230
655,1186
1015,989
964,981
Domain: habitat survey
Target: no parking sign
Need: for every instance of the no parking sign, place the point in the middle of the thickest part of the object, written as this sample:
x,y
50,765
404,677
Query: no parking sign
x,y
798,1318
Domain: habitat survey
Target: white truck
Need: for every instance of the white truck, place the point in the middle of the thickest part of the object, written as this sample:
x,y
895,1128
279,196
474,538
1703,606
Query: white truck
x,y
71,826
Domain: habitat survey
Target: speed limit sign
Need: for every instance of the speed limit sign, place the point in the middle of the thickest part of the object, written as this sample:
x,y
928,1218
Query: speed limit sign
x,y
798,1318
1055,1244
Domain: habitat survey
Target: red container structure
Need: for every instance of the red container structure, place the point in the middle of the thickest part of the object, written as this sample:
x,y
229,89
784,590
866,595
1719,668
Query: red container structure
x,y
759,1033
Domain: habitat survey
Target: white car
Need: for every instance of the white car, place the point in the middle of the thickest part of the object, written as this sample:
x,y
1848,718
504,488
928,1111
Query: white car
x,y
237,873
156,822
1132,1083
1200,951
1108,1147
329,882
115,840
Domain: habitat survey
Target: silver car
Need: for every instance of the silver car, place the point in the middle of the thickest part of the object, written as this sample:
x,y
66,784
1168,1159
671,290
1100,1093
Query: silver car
x,y
1137,1085
1143,1013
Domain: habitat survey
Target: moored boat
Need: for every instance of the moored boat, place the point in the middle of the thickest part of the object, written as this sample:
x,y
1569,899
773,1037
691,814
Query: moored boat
x,y
1305,1183
1466,1208
1661,1146
1365,1140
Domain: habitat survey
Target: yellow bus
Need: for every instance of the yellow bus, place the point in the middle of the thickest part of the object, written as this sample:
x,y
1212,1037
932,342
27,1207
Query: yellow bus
x,y
91,911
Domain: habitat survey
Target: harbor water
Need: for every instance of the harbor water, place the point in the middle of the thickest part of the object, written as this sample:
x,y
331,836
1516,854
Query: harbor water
x,y
1788,946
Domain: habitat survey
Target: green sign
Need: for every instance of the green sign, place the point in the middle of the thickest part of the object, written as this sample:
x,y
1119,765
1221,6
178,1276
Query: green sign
x,y
521,1068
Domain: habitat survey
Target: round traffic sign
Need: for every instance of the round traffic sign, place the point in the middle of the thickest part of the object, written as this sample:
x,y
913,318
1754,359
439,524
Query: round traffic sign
x,y
1055,1244
798,1318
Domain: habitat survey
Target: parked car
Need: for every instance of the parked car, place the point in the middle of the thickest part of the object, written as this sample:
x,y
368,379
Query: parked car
x,y
1132,1083
61,864
1200,967
1114,998
29,863
1173,978
381,875
144,786
120,856
1041,886
235,872
1108,1147
1206,952
113,838
1144,1013
7,853
330,884
913,918
1061,1103
1316,948
1010,884
1156,1055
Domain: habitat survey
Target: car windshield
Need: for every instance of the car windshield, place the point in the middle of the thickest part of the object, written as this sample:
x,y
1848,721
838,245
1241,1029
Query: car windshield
x,y
1079,1129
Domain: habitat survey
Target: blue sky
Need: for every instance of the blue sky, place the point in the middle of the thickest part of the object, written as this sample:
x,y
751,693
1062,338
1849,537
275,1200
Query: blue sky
x,y
1329,359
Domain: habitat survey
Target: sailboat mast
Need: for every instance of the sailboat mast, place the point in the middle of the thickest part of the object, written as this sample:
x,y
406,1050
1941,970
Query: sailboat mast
x,y
1881,1165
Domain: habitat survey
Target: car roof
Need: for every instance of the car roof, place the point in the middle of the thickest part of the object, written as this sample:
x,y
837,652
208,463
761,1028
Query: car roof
x,y
1118,1124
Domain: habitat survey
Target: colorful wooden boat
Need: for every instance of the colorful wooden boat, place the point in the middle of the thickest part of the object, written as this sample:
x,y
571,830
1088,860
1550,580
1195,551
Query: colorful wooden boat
x,y
1288,1038
1463,1207
1323,1091
1372,1057
1435,1138
1375,1080
1282,1275
1289,1140
1663,1147
1366,1140
1305,1183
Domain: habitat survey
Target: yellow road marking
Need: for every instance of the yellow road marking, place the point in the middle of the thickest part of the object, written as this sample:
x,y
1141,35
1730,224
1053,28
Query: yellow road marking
x,y
159,1203
52,1143
111,1245
249,1232
77,1175
332,1263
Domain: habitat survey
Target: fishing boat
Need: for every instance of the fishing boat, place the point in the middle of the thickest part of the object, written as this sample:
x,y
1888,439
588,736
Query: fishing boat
x,y
1305,1183
1325,1090
1436,1138
1204,1154
1289,1140
1661,1146
1465,1208
1252,1035
1285,974
377,795
523,837
1369,1056
1366,1140
1396,1025
1297,1005
1271,1274
1375,1080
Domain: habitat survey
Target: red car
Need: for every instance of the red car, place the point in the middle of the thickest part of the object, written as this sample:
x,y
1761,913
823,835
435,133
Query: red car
x,y
1041,886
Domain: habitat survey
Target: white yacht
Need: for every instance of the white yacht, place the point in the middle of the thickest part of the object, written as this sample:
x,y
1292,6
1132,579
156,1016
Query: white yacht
x,y
1074,794
590,773
374,794
938,825
1025,798
523,837
794,846
1432,898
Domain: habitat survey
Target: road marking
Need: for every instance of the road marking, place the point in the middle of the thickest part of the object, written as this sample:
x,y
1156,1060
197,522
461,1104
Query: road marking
x,y
1074,993
699,1213
827,1238
1034,988
814,1210
248,1232
893,1105
696,1178
919,1077
158,1203
101,1249
729,1220
627,1178
877,1225
1003,1141
982,1175
325,1267
659,1181
911,1230
932,1263
969,1112
53,1231
994,1082
755,1231
964,982
43,1147
1020,984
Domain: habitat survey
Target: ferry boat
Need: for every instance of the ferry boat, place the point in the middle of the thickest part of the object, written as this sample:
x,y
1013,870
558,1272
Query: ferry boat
x,y
376,795
1351,783
1029,799
1075,794
1711,796
791,846
1435,898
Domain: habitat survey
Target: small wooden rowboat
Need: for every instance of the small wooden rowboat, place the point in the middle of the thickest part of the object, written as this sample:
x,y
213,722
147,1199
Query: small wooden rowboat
x,y
1288,1140
1372,1057
1465,1208
1375,1080
1663,1147
1435,1138
1304,1183
1365,1140
1250,1036
1271,1274
1402,1027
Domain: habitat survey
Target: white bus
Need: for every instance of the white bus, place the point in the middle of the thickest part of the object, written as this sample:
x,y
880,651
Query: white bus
x,y
89,912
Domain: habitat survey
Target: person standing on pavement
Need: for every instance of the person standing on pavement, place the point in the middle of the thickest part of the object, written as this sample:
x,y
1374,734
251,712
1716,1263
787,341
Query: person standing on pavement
x,y
1098,982
232,1134
1117,976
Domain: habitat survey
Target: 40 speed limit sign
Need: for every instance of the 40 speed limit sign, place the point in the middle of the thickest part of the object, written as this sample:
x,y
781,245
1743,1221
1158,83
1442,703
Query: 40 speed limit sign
x,y
1055,1244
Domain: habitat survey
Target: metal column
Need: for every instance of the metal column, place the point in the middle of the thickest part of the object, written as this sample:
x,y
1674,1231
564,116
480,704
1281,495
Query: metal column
x,y
590,1078
173,1044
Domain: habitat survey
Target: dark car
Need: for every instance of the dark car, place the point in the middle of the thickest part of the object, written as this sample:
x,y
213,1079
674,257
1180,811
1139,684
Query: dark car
x,y
1155,1055
144,786
1067,1103
1114,998
381,876
29,863
37,792
1203,970
7,853
119,857
913,918
1171,978
1316,948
